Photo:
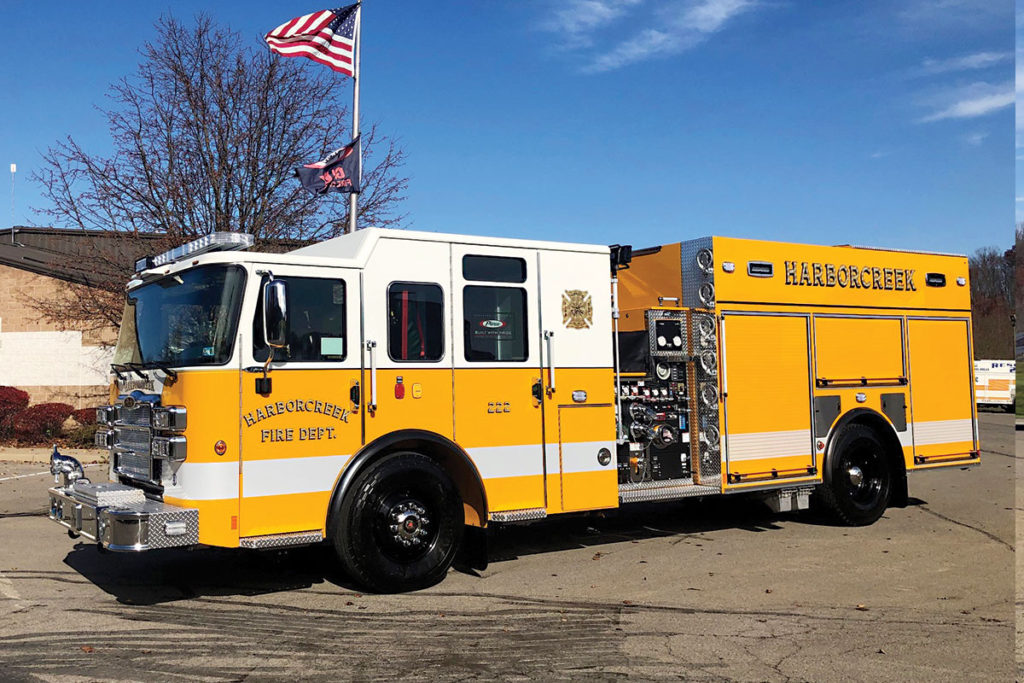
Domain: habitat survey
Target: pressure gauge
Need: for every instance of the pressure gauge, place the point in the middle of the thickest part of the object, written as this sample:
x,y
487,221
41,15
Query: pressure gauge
x,y
663,371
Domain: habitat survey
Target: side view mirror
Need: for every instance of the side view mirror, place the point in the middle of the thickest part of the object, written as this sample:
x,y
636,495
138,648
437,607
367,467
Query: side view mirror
x,y
275,314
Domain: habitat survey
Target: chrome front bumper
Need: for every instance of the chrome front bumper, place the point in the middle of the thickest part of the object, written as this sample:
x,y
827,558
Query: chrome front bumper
x,y
136,526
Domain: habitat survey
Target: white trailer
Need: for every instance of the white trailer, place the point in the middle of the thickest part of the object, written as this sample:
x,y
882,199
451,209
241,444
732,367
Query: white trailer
x,y
995,382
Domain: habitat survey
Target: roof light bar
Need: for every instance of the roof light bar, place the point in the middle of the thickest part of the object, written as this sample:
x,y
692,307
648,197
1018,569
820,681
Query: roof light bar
x,y
215,241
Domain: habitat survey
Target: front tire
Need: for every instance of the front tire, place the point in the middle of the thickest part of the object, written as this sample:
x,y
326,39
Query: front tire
x,y
399,526
858,477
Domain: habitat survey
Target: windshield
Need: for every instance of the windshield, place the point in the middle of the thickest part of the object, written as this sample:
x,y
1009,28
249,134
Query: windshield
x,y
188,318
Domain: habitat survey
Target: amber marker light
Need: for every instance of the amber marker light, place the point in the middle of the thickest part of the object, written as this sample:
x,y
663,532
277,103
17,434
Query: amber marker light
x,y
220,448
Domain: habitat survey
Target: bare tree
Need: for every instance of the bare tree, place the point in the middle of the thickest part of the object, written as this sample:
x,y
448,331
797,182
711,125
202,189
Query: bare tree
x,y
206,136
992,301
1018,289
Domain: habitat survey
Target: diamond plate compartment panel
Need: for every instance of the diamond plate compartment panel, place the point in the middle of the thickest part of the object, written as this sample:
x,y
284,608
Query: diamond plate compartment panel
x,y
105,494
705,441
147,525
695,276
157,526
654,315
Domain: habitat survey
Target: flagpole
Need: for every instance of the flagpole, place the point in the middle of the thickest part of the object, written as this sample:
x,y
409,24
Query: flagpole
x,y
353,197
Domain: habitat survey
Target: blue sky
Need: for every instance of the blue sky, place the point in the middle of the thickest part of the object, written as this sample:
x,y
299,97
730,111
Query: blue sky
x,y
634,121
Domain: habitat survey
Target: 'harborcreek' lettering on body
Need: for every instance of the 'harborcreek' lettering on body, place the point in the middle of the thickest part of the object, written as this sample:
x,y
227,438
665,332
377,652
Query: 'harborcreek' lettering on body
x,y
854,277
311,433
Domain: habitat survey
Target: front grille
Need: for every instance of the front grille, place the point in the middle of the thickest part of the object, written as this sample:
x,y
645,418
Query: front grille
x,y
132,451
139,415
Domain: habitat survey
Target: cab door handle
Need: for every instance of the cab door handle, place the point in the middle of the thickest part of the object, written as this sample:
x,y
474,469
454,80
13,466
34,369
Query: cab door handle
x,y
548,336
371,347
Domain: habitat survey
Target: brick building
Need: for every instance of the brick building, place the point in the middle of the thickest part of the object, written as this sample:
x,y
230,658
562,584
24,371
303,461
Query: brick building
x,y
66,365
37,356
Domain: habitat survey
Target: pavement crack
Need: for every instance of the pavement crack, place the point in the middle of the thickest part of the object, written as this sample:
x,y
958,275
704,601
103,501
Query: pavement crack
x,y
1005,455
989,534
25,513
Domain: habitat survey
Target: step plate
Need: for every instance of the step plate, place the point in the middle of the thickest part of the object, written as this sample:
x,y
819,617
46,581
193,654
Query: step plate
x,y
526,515
664,490
281,540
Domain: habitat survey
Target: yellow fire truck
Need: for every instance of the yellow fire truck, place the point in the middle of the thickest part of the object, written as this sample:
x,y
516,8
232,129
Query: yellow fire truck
x,y
393,393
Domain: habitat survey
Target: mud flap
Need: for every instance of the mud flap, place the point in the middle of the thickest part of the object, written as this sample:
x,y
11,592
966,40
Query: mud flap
x,y
473,551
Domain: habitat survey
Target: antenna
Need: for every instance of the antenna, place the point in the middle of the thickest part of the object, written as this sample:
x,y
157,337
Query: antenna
x,y
14,169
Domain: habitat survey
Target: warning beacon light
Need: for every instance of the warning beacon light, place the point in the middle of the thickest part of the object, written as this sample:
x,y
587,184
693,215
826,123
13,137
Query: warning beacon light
x,y
215,241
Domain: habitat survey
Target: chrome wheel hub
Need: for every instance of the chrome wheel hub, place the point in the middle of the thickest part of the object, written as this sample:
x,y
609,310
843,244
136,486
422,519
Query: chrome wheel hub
x,y
856,475
409,523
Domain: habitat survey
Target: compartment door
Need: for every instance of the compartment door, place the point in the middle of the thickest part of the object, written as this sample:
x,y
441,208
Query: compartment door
x,y
941,379
767,396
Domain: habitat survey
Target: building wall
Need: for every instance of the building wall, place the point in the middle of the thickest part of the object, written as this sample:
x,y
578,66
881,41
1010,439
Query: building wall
x,y
37,357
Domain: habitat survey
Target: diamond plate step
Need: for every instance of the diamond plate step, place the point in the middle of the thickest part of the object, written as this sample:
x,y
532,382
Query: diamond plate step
x,y
281,540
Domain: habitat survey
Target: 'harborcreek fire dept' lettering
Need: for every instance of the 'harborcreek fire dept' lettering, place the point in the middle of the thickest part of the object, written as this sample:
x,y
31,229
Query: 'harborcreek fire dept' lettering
x,y
854,277
310,433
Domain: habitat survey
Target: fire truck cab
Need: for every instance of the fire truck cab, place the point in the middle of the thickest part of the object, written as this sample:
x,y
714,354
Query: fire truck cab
x,y
386,390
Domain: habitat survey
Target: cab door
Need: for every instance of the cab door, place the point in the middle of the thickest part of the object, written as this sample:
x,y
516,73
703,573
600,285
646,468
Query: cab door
x,y
407,352
297,435
579,396
498,389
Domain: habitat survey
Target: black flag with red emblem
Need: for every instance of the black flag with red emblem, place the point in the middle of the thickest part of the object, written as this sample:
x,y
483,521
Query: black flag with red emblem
x,y
338,172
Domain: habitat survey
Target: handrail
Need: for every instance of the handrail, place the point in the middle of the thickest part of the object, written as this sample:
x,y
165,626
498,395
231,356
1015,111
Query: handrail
x,y
371,347
548,335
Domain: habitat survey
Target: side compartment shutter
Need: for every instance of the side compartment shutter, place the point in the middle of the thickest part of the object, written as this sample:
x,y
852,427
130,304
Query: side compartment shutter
x,y
768,400
941,379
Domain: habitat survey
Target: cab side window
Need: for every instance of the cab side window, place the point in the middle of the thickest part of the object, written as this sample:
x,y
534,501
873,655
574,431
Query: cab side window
x,y
494,324
493,268
415,322
316,322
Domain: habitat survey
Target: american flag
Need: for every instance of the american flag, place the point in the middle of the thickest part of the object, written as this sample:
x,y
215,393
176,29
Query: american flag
x,y
327,37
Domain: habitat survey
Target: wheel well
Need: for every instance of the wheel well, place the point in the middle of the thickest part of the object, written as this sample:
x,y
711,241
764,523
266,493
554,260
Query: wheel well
x,y
444,451
886,433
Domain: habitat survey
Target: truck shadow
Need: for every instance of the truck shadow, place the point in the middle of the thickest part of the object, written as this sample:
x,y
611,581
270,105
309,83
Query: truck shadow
x,y
160,576
163,576
685,519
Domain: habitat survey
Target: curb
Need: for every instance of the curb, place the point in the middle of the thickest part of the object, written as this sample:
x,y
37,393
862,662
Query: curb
x,y
87,456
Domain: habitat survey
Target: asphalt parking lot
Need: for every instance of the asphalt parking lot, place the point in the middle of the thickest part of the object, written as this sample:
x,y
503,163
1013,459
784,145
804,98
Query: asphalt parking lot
x,y
719,589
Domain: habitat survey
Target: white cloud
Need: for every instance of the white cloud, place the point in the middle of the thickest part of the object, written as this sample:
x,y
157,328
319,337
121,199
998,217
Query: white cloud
x,y
978,60
942,16
977,99
576,20
711,15
879,154
1019,90
670,27
645,45
976,138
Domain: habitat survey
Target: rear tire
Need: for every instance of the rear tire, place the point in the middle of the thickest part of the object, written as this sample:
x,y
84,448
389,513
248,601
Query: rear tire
x,y
858,479
399,526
